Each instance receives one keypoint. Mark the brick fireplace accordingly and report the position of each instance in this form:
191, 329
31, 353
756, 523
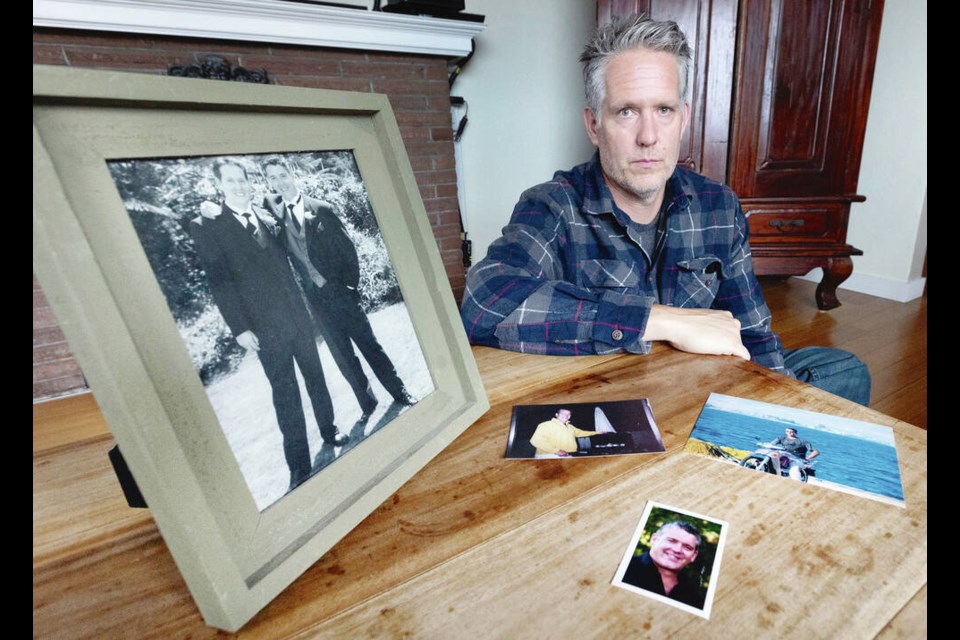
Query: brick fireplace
412, 70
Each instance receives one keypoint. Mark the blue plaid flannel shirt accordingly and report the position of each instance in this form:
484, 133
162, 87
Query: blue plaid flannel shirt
566, 278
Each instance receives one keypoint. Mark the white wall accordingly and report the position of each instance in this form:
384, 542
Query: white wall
891, 226
524, 100
524, 91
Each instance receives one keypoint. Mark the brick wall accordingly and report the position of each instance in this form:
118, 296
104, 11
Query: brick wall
416, 86
55, 372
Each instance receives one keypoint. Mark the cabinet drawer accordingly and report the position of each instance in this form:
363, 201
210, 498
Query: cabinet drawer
808, 223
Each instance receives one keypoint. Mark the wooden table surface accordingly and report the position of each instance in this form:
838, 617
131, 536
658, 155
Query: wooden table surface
478, 546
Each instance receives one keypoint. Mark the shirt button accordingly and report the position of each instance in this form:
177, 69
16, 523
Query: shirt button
617, 335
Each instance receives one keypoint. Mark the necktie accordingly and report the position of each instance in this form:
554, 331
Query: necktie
251, 225
293, 217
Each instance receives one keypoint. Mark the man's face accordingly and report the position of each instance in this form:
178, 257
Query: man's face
563, 416
673, 548
235, 187
639, 131
281, 181
791, 433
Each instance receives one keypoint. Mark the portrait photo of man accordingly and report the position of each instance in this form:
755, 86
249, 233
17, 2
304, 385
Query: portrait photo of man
674, 557
673, 547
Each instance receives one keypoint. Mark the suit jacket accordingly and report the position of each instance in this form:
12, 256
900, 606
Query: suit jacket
252, 285
330, 249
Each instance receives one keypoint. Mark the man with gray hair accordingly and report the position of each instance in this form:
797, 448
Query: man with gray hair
673, 547
630, 248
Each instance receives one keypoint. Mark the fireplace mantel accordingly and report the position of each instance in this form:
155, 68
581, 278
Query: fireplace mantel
268, 21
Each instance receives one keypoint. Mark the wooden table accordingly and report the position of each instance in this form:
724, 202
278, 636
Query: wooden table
477, 546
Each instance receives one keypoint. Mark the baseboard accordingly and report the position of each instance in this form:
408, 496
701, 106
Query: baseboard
61, 396
875, 286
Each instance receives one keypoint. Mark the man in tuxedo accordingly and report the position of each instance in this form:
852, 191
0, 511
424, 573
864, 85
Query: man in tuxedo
326, 259
244, 258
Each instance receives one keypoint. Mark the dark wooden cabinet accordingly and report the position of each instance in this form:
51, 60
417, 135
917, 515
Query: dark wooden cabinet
779, 99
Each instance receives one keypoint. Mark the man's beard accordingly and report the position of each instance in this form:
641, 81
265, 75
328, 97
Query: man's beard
628, 183
645, 195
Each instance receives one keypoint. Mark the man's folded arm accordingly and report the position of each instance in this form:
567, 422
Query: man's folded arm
741, 295
517, 299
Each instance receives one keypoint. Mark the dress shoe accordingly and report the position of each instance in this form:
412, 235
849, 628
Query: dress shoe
338, 440
297, 479
404, 398
368, 407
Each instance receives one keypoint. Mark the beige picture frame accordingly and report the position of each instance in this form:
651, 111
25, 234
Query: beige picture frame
234, 558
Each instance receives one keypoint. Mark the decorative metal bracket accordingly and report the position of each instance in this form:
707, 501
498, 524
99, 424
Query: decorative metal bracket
217, 68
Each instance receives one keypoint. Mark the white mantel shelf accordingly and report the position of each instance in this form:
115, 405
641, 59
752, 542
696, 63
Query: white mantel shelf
270, 21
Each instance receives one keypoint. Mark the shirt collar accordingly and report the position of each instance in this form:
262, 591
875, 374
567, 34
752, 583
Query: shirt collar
239, 214
296, 201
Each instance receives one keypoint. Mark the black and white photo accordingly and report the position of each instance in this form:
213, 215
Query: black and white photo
284, 294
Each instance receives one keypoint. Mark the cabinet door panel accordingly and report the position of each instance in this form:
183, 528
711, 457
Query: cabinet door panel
803, 87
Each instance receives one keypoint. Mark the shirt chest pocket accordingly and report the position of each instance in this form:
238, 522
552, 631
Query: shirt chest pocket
698, 281
610, 275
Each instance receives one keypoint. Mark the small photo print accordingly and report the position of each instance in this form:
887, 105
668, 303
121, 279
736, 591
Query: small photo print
583, 429
674, 558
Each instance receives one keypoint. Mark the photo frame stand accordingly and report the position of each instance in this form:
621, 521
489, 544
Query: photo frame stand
127, 482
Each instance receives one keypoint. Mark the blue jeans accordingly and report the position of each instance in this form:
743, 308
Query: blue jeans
834, 370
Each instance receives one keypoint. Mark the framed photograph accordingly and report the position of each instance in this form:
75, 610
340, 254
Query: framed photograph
674, 558
248, 278
583, 430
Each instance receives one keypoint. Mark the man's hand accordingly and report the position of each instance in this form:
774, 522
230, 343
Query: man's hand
248, 340
707, 331
210, 210
562, 453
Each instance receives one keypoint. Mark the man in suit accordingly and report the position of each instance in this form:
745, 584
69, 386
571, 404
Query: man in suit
250, 279
326, 259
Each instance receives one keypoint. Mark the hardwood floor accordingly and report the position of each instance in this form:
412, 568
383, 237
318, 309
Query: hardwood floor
890, 337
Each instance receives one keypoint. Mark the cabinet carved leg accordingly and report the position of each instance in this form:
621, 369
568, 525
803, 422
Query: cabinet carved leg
834, 272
